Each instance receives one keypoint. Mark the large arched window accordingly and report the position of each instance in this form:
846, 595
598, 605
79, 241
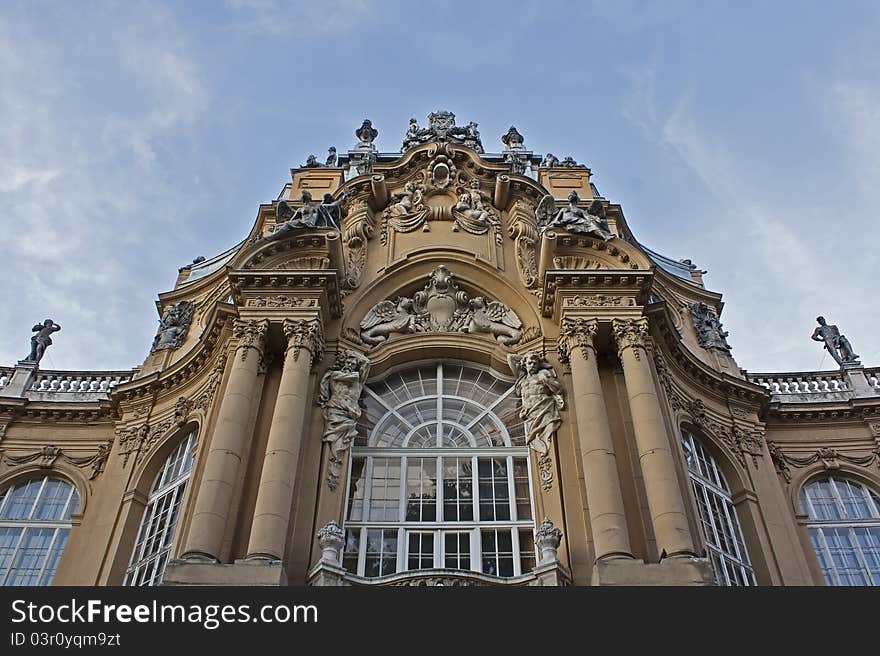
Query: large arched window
718, 520
34, 525
156, 535
440, 476
844, 526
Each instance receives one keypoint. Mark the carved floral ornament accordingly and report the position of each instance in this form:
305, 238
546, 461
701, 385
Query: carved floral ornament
576, 333
48, 455
305, 334
630, 333
829, 458
441, 307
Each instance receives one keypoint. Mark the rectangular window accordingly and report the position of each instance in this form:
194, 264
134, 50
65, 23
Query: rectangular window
497, 551
494, 492
352, 550
356, 490
526, 550
381, 557
457, 550
521, 488
421, 489
458, 490
385, 490
421, 550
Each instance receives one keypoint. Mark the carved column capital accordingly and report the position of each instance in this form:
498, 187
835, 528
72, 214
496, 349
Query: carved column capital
630, 333
576, 333
251, 335
304, 334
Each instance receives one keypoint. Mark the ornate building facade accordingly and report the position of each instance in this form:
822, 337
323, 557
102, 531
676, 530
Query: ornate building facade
457, 367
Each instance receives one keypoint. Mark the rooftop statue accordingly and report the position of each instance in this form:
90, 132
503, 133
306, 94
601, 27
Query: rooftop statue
42, 340
570, 163
312, 163
331, 156
442, 127
550, 160
308, 216
572, 218
709, 330
513, 140
835, 343
173, 326
366, 135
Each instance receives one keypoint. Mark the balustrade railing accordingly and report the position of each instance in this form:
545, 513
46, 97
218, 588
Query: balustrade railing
83, 382
801, 382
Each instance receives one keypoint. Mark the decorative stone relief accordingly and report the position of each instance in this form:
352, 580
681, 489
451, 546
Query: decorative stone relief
473, 212
523, 229
577, 262
357, 231
779, 461
407, 211
340, 391
576, 333
181, 411
173, 326
831, 459
540, 392
709, 331
281, 302
598, 300
305, 334
591, 221
47, 456
630, 333
252, 336
331, 538
441, 307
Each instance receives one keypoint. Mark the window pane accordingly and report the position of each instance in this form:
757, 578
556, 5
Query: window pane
421, 489
458, 490
351, 550
527, 557
385, 490
381, 556
356, 490
421, 550
521, 488
494, 493
457, 550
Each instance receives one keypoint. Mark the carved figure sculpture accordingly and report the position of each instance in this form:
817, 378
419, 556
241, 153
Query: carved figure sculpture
173, 326
471, 212
496, 318
709, 330
440, 307
340, 391
574, 219
307, 216
541, 394
312, 162
42, 340
331, 156
472, 137
835, 343
366, 135
330, 210
441, 127
549, 160
408, 210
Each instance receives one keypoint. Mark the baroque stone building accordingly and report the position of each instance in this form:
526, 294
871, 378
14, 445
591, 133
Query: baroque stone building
440, 365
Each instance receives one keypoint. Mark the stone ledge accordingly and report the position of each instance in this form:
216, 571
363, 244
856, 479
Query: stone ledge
242, 572
671, 572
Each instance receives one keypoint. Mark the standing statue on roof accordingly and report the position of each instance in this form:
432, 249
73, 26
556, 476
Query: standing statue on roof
42, 340
835, 343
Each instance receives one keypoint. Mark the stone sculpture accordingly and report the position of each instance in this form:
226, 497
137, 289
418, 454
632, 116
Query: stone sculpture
572, 218
42, 340
550, 160
709, 331
513, 140
473, 212
407, 210
541, 394
308, 216
173, 326
340, 391
835, 343
312, 162
441, 307
331, 156
366, 135
442, 127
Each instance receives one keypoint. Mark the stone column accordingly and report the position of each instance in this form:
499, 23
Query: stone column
665, 500
604, 497
228, 444
305, 344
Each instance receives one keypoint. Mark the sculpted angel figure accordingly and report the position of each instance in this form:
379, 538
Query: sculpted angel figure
541, 394
340, 391
495, 318
306, 217
173, 326
470, 211
574, 219
387, 317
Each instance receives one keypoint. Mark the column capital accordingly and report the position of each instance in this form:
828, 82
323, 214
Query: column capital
304, 334
630, 333
576, 332
251, 334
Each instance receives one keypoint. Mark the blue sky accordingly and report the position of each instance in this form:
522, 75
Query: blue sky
745, 136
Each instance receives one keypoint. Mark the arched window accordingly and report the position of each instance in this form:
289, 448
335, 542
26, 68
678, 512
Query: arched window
156, 534
440, 476
844, 525
718, 520
34, 525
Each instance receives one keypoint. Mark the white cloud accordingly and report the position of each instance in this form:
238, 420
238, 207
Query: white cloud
300, 17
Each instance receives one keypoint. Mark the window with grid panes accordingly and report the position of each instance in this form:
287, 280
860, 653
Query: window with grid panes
439, 476
844, 526
718, 520
35, 520
156, 534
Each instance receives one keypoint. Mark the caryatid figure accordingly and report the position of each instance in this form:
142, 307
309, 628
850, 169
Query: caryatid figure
340, 392
541, 394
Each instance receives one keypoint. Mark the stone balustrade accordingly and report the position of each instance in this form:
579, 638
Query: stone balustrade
819, 386
63, 382
5, 376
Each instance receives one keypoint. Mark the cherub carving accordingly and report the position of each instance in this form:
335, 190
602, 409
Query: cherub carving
473, 211
385, 318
